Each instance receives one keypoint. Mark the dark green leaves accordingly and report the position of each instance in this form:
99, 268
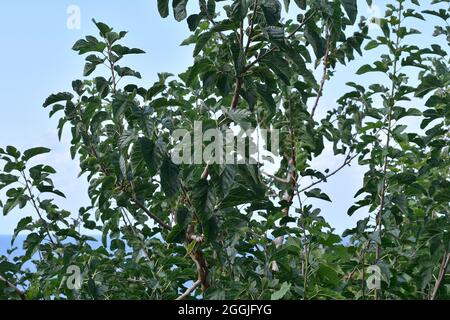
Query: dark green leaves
203, 198
54, 98
7, 179
239, 10
90, 44
312, 34
301, 4
193, 21
428, 84
30, 153
267, 98
183, 219
179, 9
121, 134
127, 72
202, 40
153, 154
351, 8
204, 201
272, 11
372, 44
102, 27
278, 295
317, 193
170, 182
122, 50
92, 62
163, 8
379, 67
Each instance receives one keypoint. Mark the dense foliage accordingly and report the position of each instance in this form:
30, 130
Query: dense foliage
231, 231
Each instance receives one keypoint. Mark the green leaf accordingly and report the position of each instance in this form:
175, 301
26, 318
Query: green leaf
90, 44
267, 98
227, 179
272, 11
317, 193
54, 98
239, 10
30, 153
50, 189
312, 34
372, 44
7, 179
122, 50
278, 295
127, 138
211, 8
179, 9
152, 153
13, 152
10, 205
351, 7
22, 225
102, 27
89, 68
190, 248
193, 21
163, 8
353, 209
328, 273
286, 5
201, 42
102, 86
176, 235
203, 199
127, 72
170, 182
428, 84
301, 4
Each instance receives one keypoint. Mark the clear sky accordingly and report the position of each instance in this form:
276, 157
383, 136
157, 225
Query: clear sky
36, 60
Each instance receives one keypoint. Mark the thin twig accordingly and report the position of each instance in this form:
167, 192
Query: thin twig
288, 179
36, 208
379, 217
188, 292
442, 270
153, 216
324, 77
347, 161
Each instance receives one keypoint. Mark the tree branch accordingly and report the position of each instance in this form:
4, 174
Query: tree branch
442, 270
36, 208
188, 292
347, 161
21, 293
237, 90
153, 216
324, 76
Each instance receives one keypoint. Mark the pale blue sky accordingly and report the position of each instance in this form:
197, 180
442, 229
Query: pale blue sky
37, 61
